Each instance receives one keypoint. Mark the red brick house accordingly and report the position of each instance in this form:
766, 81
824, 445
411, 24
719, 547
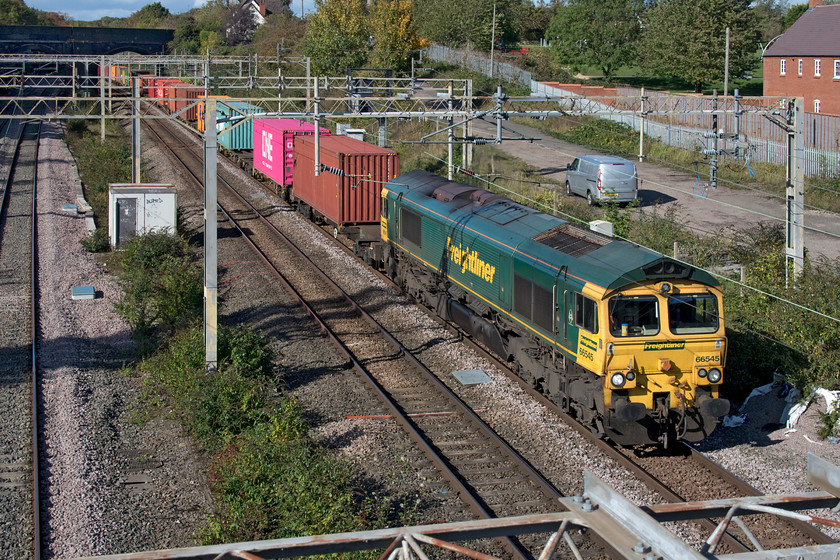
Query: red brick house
805, 61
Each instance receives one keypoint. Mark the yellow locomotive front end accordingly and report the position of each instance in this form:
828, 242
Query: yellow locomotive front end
664, 354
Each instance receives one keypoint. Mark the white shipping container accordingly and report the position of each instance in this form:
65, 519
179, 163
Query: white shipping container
136, 209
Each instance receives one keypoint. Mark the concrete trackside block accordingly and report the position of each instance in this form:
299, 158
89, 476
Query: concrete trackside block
471, 377
83, 292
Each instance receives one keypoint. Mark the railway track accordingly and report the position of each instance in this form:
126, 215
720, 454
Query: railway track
19, 517
487, 474
411, 399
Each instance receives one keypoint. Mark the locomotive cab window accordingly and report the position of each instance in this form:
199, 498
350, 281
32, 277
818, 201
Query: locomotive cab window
693, 314
384, 208
586, 313
634, 315
411, 226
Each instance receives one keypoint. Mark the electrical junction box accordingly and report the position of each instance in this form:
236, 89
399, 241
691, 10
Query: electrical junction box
136, 209
602, 226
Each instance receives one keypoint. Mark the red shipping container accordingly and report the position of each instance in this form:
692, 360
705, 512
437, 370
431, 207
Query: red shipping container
187, 95
347, 191
174, 89
274, 147
161, 91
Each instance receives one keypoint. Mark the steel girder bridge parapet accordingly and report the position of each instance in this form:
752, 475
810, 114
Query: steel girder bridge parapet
633, 532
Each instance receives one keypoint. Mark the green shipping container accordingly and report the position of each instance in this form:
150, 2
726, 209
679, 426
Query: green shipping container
228, 114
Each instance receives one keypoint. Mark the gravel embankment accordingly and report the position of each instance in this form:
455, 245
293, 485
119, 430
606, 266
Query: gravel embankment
110, 486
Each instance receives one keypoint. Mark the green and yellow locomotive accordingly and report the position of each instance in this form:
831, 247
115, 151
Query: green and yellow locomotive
630, 342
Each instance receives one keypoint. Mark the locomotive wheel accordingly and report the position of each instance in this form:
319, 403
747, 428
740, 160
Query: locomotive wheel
568, 189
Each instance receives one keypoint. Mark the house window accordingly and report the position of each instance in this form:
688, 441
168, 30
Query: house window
800, 67
782, 67
816, 105
817, 68
837, 69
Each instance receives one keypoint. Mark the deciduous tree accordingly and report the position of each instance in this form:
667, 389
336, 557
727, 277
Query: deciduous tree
394, 33
149, 16
467, 22
15, 12
600, 33
792, 14
687, 38
337, 36
186, 37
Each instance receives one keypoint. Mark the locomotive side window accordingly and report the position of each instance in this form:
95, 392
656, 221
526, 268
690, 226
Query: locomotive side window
533, 302
634, 315
586, 313
693, 314
384, 209
411, 226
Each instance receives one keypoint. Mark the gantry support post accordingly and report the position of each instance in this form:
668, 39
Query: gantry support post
135, 130
795, 206
211, 285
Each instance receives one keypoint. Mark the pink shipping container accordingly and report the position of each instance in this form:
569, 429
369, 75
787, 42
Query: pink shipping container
274, 147
347, 191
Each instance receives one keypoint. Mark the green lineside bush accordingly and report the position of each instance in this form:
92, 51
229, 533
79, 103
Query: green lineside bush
161, 284
269, 478
100, 163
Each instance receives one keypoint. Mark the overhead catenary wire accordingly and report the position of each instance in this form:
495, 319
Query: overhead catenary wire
735, 206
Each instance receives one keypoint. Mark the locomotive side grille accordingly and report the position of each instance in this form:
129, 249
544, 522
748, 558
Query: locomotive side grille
572, 240
411, 226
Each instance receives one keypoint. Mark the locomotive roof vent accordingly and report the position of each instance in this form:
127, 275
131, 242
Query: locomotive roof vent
483, 197
573, 241
450, 191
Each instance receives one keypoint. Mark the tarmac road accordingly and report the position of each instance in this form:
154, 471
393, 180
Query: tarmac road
723, 209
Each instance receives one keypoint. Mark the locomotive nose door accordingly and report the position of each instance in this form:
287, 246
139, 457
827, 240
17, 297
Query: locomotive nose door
562, 309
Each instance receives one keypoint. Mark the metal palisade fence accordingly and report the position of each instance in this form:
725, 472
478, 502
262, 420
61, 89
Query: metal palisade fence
759, 140
479, 63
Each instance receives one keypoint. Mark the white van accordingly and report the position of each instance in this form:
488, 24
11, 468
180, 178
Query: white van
600, 178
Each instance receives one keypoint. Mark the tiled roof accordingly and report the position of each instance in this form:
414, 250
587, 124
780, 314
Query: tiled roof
815, 33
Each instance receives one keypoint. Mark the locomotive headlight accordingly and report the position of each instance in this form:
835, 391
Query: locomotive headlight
617, 380
631, 376
701, 372
714, 375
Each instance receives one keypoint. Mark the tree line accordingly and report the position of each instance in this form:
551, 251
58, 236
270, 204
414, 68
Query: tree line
684, 38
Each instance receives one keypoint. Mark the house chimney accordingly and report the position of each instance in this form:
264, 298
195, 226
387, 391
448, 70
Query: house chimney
812, 3
262, 7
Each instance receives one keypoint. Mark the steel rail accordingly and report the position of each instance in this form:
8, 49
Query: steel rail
36, 509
